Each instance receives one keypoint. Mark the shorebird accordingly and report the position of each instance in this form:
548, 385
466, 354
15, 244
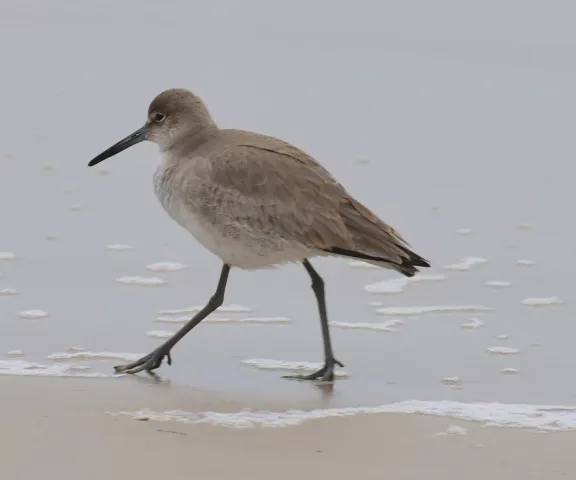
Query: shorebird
255, 201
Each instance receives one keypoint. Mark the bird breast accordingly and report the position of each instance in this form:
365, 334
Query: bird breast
211, 214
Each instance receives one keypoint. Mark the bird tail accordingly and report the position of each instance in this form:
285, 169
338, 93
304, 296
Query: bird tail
375, 242
408, 265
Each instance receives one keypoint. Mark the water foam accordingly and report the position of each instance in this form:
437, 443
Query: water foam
539, 417
473, 323
166, 267
6, 292
509, 371
451, 381
382, 326
232, 308
119, 247
24, 368
76, 349
503, 350
431, 309
33, 314
453, 430
466, 263
497, 284
245, 320
86, 355
159, 334
541, 302
525, 263
15, 353
397, 285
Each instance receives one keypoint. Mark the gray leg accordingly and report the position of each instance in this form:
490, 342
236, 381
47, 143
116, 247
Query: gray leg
154, 360
326, 373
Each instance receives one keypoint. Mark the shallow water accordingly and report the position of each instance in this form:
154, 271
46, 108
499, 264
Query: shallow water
464, 125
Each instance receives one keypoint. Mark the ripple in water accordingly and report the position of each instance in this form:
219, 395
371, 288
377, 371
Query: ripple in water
289, 366
525, 226
143, 281
430, 309
33, 314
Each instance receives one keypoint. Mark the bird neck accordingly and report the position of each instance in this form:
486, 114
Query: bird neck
193, 139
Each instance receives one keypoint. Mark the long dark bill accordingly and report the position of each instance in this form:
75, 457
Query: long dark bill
136, 137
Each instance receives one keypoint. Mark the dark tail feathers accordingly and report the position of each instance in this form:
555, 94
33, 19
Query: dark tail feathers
408, 266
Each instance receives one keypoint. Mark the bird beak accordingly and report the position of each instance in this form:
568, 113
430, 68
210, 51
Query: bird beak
136, 137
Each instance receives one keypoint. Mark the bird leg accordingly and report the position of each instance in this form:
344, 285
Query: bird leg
326, 373
154, 359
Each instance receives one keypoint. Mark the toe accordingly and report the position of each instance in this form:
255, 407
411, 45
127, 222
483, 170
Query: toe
122, 368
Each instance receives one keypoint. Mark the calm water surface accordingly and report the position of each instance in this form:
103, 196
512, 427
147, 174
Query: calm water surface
466, 118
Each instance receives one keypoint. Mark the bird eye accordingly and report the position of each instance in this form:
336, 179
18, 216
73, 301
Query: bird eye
159, 117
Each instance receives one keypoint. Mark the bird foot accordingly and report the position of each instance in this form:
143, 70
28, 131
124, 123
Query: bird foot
325, 374
148, 362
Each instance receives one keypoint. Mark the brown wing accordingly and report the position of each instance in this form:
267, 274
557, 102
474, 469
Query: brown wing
288, 191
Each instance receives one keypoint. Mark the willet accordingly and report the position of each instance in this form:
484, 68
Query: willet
255, 201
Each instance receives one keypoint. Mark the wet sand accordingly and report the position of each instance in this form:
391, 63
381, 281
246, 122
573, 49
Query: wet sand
56, 429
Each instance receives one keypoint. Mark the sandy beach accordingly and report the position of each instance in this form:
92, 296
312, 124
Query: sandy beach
57, 429
453, 122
